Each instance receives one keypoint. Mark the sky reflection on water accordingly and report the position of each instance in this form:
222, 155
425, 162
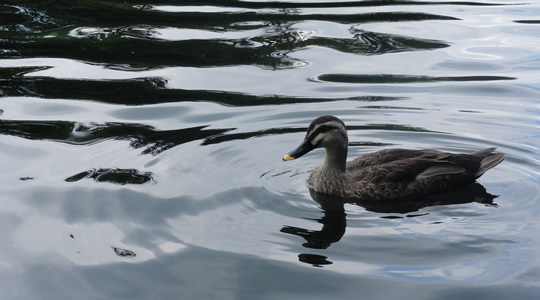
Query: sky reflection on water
141, 147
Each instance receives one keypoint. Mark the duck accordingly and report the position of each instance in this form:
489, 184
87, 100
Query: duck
387, 175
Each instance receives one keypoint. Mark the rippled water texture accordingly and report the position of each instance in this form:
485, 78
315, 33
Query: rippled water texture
141, 146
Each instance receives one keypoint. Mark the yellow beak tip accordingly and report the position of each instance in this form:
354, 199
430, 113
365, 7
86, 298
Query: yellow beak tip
287, 157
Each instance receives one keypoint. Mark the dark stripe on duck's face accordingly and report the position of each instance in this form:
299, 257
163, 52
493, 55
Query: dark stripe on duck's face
319, 130
316, 137
322, 129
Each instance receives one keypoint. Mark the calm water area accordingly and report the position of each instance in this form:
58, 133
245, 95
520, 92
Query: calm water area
141, 145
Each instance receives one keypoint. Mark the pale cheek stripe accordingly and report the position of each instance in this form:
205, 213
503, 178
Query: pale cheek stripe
316, 140
330, 123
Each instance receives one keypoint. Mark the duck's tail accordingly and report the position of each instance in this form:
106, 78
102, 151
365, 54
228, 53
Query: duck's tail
489, 160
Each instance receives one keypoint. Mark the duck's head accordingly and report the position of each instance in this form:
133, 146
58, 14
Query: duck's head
324, 132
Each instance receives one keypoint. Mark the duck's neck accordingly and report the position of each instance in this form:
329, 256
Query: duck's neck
336, 159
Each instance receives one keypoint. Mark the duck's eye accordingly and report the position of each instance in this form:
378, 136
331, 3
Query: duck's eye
318, 135
324, 128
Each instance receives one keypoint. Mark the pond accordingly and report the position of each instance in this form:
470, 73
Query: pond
141, 147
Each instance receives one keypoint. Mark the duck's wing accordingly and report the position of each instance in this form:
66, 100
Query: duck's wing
402, 165
408, 174
394, 155
403, 171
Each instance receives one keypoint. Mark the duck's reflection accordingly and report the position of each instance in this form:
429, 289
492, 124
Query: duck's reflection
334, 221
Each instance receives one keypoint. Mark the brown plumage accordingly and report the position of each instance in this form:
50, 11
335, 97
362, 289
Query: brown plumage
392, 174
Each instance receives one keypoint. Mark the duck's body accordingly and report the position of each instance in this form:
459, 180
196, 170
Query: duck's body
393, 174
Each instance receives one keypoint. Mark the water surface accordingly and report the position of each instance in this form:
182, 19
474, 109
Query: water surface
141, 148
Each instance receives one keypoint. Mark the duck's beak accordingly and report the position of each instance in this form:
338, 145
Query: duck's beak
304, 148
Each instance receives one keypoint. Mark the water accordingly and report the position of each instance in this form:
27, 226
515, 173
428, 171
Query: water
141, 148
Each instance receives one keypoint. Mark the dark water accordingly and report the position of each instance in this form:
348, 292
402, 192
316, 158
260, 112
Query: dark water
141, 148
